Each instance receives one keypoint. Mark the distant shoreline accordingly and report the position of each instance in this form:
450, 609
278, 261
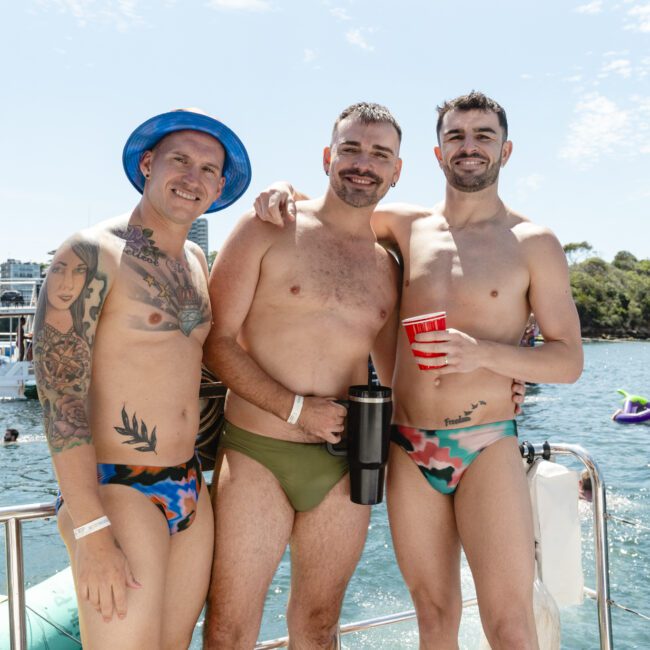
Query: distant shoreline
612, 339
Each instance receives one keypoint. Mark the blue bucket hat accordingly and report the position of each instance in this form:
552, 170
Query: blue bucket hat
237, 166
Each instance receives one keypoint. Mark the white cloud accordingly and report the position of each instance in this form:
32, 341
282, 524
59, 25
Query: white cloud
340, 13
308, 55
121, 13
240, 5
622, 67
639, 18
356, 37
526, 76
531, 183
594, 7
596, 130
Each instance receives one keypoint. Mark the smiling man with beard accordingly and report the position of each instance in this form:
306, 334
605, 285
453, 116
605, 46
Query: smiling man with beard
296, 313
455, 473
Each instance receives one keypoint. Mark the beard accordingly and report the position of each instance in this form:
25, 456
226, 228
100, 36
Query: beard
471, 182
363, 197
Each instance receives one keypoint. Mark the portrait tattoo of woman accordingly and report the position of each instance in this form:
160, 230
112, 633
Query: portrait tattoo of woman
64, 329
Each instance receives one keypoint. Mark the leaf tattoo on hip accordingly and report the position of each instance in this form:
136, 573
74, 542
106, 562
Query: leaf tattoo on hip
137, 433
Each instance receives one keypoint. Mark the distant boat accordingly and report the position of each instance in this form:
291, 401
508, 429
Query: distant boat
17, 379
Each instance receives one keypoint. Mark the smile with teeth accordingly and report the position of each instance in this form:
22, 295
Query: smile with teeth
469, 163
360, 180
186, 195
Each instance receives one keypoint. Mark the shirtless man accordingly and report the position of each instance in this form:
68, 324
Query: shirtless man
118, 341
296, 312
455, 472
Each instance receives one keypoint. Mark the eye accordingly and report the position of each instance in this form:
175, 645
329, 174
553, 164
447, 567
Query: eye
55, 269
179, 159
80, 270
209, 170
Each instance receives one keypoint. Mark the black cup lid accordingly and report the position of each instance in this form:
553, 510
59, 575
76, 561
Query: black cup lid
373, 392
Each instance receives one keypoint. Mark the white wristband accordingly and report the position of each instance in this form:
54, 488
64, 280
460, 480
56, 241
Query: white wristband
91, 527
296, 410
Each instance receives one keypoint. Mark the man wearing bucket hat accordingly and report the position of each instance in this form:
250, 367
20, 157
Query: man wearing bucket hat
117, 350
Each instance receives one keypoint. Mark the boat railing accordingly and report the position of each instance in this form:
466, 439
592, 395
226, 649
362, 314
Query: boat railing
13, 516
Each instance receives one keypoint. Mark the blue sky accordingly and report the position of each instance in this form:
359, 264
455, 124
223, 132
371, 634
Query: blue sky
79, 75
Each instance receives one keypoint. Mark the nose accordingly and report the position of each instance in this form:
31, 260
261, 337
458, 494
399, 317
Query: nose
191, 174
68, 282
469, 144
362, 161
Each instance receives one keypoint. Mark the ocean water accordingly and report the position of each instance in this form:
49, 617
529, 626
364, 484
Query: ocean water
579, 414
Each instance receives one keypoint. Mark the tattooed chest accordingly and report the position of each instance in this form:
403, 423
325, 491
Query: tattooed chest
167, 299
170, 295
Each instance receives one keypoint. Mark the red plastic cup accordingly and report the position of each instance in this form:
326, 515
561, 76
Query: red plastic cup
434, 322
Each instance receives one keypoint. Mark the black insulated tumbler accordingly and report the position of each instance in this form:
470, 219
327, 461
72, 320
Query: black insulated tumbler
367, 441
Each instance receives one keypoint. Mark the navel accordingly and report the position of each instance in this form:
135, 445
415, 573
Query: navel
295, 290
494, 293
383, 313
406, 283
155, 318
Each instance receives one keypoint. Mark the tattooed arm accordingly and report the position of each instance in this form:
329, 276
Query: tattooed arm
66, 319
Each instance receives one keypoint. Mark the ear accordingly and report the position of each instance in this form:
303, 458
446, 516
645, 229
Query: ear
327, 159
398, 171
438, 154
222, 183
506, 152
145, 164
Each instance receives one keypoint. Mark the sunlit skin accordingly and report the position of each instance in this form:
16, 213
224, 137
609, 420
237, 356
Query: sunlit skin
65, 281
472, 149
184, 175
362, 161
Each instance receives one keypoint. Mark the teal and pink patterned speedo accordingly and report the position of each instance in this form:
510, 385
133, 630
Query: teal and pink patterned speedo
443, 455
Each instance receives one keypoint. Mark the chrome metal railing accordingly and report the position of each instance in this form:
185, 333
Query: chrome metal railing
12, 518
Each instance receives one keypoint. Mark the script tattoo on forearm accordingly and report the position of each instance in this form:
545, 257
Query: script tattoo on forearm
466, 416
64, 330
169, 289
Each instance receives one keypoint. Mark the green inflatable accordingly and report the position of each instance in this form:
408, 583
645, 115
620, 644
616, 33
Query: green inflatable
52, 621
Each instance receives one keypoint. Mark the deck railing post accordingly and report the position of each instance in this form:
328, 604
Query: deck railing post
15, 584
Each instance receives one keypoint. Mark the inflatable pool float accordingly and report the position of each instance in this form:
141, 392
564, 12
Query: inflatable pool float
52, 619
635, 409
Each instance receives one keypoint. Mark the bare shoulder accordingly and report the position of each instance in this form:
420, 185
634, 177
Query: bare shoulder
94, 246
388, 219
536, 239
390, 211
195, 252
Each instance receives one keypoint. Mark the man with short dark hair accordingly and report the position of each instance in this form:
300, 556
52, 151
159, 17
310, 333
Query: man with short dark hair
118, 339
296, 313
455, 473
11, 435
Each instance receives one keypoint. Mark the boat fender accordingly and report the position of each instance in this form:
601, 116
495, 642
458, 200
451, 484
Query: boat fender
558, 543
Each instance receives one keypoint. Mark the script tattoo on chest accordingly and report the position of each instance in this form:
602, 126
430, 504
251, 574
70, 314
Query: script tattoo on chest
164, 284
139, 244
466, 416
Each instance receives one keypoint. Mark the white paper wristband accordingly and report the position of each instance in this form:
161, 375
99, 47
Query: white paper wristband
91, 527
296, 410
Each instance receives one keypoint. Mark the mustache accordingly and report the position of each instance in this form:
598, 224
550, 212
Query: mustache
463, 156
355, 172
